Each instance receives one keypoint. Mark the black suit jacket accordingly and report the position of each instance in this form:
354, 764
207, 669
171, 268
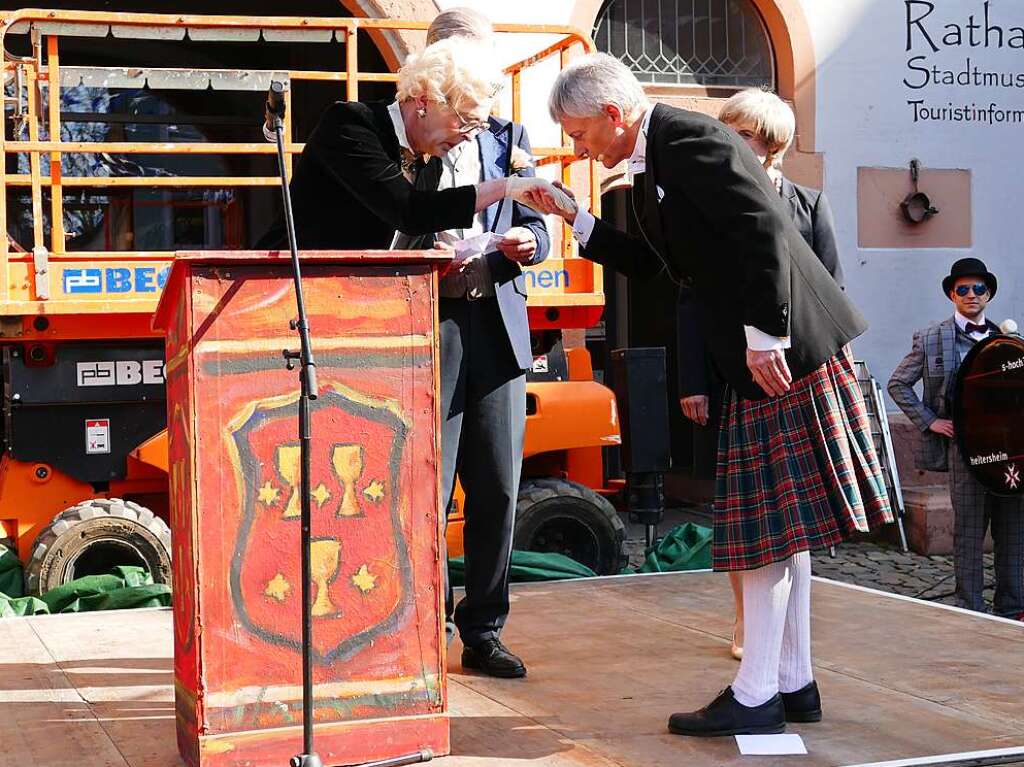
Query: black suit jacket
812, 216
349, 192
722, 227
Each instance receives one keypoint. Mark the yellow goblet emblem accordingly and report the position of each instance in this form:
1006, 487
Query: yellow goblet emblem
324, 556
288, 466
348, 465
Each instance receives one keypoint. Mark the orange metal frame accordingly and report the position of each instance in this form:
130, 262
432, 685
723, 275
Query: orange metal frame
25, 276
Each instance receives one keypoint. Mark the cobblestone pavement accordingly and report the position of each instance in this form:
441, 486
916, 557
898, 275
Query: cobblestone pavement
886, 568
874, 565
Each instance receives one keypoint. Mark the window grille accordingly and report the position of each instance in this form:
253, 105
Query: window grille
711, 43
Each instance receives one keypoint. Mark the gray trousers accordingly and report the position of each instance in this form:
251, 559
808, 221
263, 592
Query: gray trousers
483, 410
974, 510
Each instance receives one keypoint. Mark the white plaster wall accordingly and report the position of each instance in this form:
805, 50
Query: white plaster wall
863, 119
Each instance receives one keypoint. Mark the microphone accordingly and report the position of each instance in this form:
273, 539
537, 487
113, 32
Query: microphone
273, 110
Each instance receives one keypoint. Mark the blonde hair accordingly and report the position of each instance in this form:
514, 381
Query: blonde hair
590, 83
460, 22
451, 72
771, 117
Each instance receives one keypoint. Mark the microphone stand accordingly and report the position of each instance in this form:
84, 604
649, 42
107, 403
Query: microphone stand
275, 112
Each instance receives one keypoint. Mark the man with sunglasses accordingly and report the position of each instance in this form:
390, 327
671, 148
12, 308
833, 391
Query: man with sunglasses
937, 353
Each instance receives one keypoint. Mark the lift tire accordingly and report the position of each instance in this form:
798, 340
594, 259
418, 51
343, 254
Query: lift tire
92, 537
564, 517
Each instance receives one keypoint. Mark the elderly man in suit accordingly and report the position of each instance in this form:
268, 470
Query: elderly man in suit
485, 351
796, 469
934, 359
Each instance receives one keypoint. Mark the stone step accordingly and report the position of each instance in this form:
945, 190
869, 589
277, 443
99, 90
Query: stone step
929, 520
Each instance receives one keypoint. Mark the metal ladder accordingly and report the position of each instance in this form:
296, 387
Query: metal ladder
874, 401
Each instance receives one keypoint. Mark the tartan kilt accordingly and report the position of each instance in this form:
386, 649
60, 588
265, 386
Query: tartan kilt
797, 472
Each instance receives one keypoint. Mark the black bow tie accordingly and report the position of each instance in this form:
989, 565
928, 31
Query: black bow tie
970, 327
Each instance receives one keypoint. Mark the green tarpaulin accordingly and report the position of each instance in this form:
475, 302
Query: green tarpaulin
11, 580
686, 547
529, 566
121, 589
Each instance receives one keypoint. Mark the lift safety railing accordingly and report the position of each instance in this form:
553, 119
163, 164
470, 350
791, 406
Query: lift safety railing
32, 101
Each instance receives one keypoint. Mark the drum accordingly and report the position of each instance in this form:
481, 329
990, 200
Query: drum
988, 413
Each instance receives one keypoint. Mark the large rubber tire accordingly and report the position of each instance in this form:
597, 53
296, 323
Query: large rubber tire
563, 517
92, 537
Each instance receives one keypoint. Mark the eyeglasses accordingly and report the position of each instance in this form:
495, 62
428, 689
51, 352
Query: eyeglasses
979, 289
468, 128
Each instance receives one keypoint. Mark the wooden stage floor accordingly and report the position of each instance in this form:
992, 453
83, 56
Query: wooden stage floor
609, 660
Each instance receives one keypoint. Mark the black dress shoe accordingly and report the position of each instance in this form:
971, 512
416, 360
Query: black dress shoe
727, 716
804, 705
494, 659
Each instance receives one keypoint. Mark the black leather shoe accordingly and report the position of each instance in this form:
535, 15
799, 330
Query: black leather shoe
727, 716
494, 659
804, 705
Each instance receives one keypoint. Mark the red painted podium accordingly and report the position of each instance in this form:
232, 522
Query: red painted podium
378, 647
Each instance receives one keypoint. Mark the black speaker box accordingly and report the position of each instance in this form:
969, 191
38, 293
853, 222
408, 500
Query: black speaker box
640, 386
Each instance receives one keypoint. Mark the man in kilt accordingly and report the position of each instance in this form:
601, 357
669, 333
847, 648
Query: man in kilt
796, 465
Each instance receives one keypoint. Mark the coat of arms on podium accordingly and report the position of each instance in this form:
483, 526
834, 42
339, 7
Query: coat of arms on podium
361, 571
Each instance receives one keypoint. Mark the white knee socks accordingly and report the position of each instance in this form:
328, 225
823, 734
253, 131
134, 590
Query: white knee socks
776, 631
795, 670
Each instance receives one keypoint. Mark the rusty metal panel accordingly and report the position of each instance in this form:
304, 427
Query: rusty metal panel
224, 34
301, 35
138, 32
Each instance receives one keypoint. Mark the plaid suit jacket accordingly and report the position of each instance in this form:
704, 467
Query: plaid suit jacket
933, 361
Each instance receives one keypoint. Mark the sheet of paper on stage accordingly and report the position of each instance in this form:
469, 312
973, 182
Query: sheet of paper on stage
475, 246
771, 745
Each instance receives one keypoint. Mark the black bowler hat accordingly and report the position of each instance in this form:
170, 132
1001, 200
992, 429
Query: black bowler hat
970, 267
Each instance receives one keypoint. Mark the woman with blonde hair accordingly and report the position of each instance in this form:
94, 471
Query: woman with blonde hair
768, 125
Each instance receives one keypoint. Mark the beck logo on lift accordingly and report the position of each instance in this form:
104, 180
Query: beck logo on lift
120, 373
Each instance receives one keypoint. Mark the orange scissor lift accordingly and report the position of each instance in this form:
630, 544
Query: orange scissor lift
101, 171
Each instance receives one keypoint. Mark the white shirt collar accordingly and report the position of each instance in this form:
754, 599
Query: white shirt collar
637, 162
395, 111
961, 321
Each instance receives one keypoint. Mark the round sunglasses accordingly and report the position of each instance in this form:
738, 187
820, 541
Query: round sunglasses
979, 289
